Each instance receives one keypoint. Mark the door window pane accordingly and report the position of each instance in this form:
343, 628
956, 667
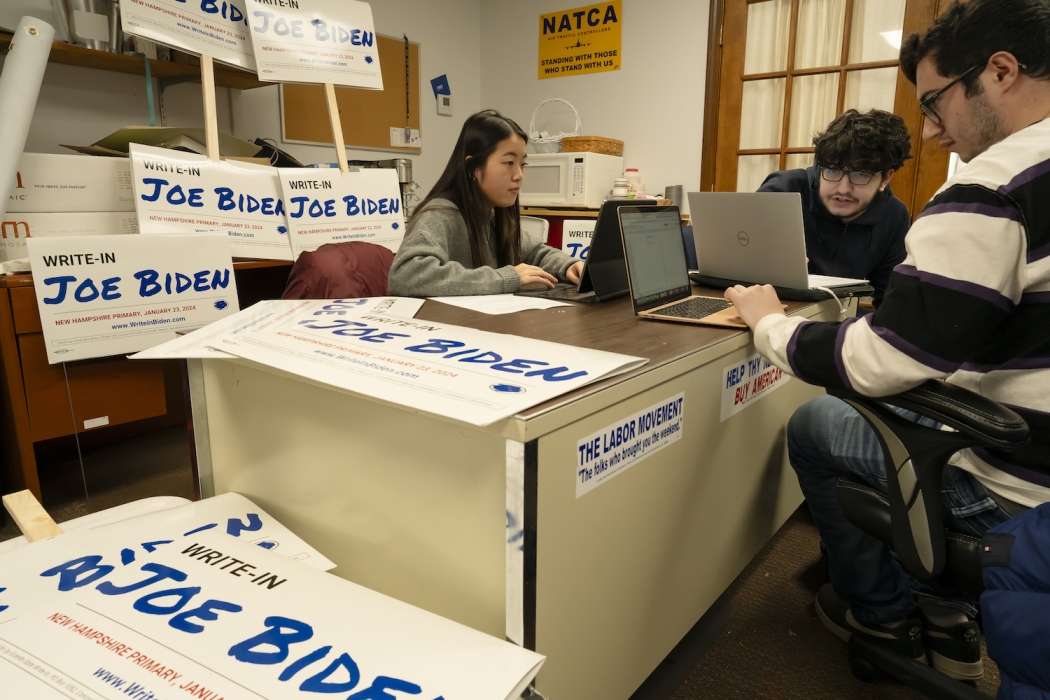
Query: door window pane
799, 160
877, 30
768, 27
752, 170
762, 109
813, 102
871, 89
819, 38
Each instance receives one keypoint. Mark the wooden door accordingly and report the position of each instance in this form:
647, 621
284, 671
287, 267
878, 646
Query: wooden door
780, 70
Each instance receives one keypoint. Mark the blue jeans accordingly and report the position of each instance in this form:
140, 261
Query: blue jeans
828, 439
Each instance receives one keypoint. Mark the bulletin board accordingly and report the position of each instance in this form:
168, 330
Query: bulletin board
367, 115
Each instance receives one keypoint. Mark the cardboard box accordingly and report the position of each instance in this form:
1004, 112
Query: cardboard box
17, 227
49, 182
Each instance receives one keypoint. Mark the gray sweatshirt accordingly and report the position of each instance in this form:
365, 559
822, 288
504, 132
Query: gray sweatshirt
435, 260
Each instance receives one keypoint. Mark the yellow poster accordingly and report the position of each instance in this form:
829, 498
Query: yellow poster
581, 40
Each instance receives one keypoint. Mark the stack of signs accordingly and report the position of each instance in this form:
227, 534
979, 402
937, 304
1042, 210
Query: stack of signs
178, 192
111, 295
315, 41
473, 376
180, 603
198, 344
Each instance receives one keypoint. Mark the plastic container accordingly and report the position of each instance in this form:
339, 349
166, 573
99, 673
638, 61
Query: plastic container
634, 180
619, 187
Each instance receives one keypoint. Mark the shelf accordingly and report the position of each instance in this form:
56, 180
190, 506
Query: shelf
72, 55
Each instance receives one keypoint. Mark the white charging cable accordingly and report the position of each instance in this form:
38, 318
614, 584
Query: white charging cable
842, 309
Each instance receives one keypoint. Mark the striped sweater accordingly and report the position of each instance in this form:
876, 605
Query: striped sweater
970, 303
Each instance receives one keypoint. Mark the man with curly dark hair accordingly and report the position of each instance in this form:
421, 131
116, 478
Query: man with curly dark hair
854, 225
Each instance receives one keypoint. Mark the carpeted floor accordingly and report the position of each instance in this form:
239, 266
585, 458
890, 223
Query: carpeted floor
762, 639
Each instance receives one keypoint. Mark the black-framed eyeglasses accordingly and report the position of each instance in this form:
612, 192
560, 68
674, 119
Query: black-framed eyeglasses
927, 105
856, 177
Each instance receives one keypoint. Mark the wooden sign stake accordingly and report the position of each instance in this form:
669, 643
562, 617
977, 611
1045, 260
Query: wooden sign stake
337, 127
211, 123
30, 516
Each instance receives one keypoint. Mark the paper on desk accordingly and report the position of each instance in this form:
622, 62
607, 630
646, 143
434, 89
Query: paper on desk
262, 315
141, 608
230, 513
496, 304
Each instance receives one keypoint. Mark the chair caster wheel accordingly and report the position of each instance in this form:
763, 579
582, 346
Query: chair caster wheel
864, 671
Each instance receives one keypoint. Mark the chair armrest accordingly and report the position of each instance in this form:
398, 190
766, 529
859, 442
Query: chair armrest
964, 410
915, 456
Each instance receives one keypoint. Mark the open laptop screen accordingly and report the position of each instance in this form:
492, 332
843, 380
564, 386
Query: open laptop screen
655, 255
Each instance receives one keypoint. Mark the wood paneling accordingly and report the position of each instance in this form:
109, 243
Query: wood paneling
120, 389
16, 446
23, 306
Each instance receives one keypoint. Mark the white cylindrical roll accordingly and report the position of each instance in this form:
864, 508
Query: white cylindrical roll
19, 87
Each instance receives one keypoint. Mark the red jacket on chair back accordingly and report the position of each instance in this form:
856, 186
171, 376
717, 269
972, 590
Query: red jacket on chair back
340, 271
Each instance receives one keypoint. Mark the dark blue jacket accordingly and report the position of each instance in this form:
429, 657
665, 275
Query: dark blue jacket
869, 247
1016, 603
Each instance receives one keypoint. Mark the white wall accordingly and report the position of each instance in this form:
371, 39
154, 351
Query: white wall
79, 106
654, 103
448, 32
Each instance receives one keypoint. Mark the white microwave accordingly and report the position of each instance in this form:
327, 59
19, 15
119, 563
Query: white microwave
569, 179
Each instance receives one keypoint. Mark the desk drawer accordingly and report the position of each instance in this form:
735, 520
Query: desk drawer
23, 306
114, 388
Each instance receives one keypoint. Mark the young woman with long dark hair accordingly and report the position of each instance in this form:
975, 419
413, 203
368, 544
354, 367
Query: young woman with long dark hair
466, 237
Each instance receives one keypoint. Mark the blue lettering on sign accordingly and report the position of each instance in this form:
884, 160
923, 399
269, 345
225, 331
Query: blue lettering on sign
355, 206
86, 290
579, 250
223, 9
338, 35
270, 647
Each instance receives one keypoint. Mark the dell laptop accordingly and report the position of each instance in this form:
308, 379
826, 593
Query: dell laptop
658, 274
755, 238
604, 275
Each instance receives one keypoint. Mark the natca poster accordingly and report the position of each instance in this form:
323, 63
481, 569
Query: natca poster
581, 40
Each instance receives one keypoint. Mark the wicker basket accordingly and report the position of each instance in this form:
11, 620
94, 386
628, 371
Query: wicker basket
550, 144
592, 144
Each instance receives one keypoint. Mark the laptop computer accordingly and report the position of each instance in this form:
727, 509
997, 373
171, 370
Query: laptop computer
604, 274
658, 274
755, 238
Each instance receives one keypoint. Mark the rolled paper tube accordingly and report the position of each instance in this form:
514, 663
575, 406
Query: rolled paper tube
19, 87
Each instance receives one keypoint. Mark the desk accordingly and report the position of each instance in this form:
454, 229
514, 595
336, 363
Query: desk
36, 404
416, 505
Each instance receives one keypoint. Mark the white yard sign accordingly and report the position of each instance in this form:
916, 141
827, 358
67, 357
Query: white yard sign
315, 41
618, 446
326, 206
145, 609
260, 317
469, 375
110, 295
748, 381
179, 192
218, 28
576, 237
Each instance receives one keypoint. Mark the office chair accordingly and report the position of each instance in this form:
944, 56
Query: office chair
910, 519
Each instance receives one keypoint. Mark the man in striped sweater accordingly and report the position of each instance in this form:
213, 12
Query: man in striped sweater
970, 303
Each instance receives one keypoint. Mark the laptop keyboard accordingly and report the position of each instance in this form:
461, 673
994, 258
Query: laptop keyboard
698, 307
566, 292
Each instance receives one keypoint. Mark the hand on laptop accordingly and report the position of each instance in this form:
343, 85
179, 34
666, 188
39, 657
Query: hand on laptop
574, 272
537, 277
754, 303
